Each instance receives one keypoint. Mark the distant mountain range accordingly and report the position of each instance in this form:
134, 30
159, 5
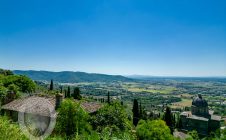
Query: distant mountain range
71, 77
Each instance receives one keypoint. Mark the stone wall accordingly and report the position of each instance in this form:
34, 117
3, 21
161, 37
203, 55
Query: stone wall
199, 125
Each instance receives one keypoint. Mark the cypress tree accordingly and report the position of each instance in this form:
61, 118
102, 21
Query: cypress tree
68, 92
76, 94
61, 89
140, 109
135, 112
65, 93
51, 85
108, 98
179, 123
168, 118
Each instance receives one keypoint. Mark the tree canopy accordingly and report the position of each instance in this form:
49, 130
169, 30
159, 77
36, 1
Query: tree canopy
113, 116
153, 130
72, 119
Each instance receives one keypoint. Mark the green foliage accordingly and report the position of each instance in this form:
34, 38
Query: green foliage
14, 83
51, 85
194, 134
5, 72
14, 88
108, 98
72, 119
153, 130
3, 91
109, 134
10, 131
23, 83
68, 94
168, 118
76, 94
113, 116
135, 112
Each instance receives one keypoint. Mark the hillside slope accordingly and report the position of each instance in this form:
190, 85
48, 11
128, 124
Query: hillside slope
71, 77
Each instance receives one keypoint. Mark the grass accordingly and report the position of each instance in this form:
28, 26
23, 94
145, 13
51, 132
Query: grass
183, 103
162, 90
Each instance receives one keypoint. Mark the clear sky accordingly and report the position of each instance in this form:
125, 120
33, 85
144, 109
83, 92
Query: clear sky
146, 37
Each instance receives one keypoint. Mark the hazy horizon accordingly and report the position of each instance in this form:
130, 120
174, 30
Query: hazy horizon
156, 38
126, 75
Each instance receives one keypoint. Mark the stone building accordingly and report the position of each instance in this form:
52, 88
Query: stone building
200, 118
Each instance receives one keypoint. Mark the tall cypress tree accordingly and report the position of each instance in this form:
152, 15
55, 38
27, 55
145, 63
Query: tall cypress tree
65, 93
68, 92
61, 89
168, 118
135, 112
51, 85
109, 98
76, 93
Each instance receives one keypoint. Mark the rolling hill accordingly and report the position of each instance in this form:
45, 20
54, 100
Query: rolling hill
71, 77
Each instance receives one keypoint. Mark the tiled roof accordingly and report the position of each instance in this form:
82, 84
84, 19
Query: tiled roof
42, 105
33, 104
91, 107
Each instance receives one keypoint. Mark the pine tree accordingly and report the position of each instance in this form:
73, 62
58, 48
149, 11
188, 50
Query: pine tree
135, 112
76, 94
51, 85
108, 98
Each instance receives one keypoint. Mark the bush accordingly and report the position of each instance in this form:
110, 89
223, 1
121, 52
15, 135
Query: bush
10, 131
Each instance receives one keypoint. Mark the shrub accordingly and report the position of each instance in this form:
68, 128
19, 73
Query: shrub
10, 131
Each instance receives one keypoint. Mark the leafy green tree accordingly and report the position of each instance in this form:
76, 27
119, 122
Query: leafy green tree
72, 119
3, 92
13, 88
76, 94
6, 72
135, 112
113, 116
153, 130
51, 85
24, 83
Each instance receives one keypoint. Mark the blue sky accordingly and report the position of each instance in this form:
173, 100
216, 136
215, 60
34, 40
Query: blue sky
146, 37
